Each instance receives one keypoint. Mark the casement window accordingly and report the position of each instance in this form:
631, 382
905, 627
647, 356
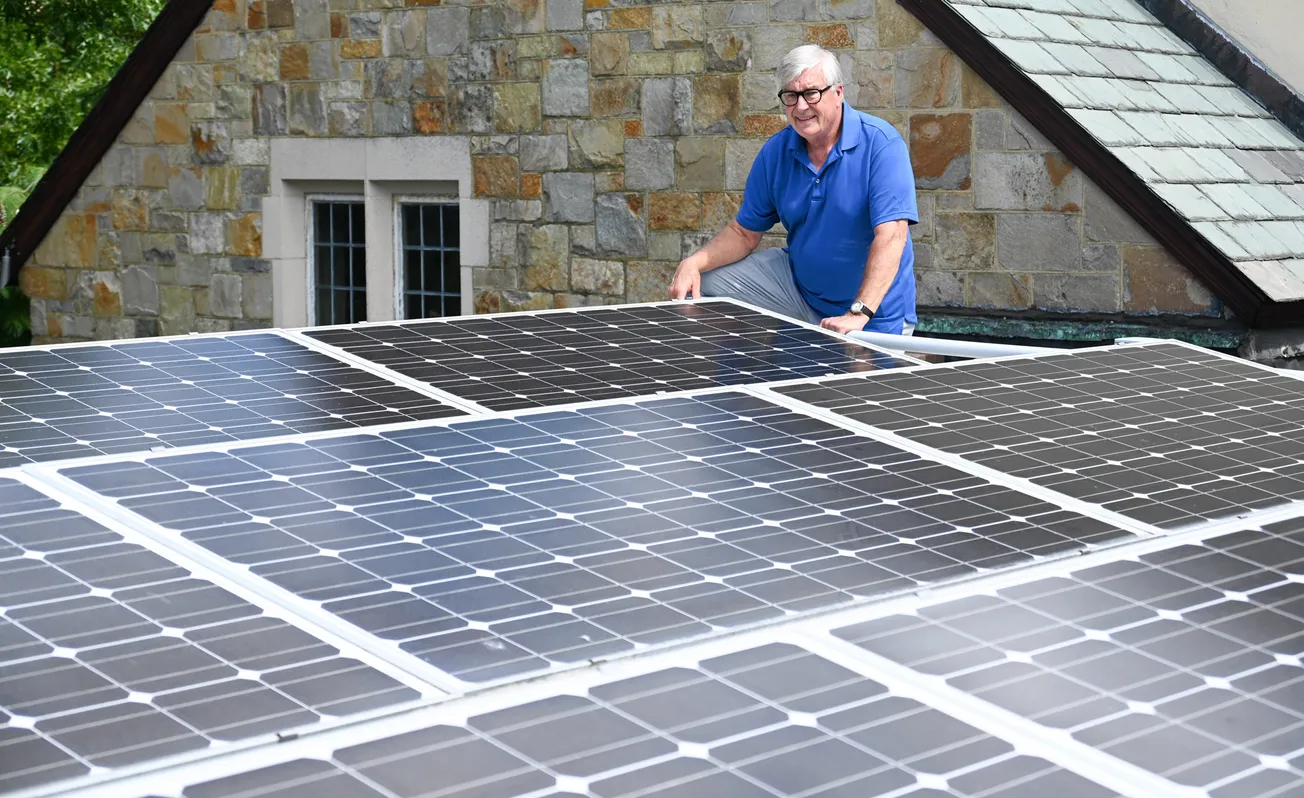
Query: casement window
337, 259
428, 244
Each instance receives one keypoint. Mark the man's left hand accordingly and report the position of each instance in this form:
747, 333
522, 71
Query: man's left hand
846, 323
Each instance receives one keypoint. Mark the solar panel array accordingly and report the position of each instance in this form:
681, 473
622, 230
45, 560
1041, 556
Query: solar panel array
384, 560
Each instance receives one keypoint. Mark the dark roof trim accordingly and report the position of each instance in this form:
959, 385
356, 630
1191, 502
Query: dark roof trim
1233, 60
1202, 259
97, 132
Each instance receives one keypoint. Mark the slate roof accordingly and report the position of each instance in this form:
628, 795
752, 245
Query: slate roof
1209, 151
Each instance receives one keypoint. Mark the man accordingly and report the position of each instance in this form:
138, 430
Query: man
841, 183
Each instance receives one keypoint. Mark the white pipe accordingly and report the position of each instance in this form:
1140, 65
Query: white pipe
943, 346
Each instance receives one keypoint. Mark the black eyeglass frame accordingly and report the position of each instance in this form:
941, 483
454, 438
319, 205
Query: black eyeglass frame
819, 95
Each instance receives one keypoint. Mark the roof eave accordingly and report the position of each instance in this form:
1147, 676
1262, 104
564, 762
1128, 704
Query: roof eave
1191, 249
98, 131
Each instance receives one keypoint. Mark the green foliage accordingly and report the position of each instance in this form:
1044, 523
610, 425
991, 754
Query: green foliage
56, 57
15, 321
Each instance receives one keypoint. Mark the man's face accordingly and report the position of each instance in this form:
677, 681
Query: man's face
822, 118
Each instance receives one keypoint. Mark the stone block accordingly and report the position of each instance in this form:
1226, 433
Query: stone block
364, 25
770, 43
667, 107
1101, 258
391, 118
938, 289
1038, 242
717, 104
171, 124
674, 211
516, 107
584, 239
759, 93
404, 34
472, 108
848, 9
690, 62
430, 117
1105, 220
114, 329
221, 189
616, 97
1155, 283
279, 13
651, 63
676, 27
699, 163
1024, 136
926, 78
609, 53
106, 294
72, 242
307, 111
629, 18
738, 157
260, 61
1085, 293
524, 16
647, 281
256, 297
998, 290
130, 209
620, 226
447, 30
385, 78
211, 142
566, 87
251, 266
729, 50
898, 28
794, 10
503, 249
348, 119
312, 19
830, 36
568, 197
939, 150
718, 209
543, 153
1026, 182
494, 61
225, 296
989, 129
245, 235
496, 175
764, 125
964, 242
42, 282
294, 61
597, 277
565, 15
975, 92
663, 245
649, 163
873, 76
597, 143
545, 252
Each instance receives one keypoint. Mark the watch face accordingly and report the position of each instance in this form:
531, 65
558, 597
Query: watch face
857, 307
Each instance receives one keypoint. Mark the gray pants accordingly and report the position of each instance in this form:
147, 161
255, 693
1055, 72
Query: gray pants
764, 279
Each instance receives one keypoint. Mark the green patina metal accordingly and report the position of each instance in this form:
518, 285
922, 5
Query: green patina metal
1070, 332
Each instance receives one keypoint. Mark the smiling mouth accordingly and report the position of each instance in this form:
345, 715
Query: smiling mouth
810, 118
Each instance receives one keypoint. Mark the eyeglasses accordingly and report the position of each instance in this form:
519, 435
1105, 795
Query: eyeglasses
811, 96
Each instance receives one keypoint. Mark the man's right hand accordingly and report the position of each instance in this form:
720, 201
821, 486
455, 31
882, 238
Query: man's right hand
687, 281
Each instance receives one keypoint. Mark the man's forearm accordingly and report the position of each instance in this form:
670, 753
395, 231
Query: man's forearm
883, 262
733, 243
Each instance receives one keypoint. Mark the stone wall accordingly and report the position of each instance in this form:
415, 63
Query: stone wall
612, 138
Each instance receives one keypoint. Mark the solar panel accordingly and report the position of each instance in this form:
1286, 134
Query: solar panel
773, 720
80, 401
519, 361
1185, 662
112, 655
1166, 434
498, 547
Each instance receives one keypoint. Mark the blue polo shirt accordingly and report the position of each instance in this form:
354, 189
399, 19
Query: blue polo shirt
830, 213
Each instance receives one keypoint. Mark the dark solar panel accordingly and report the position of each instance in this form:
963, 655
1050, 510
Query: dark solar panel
513, 362
111, 655
764, 722
88, 400
1185, 662
1165, 434
499, 547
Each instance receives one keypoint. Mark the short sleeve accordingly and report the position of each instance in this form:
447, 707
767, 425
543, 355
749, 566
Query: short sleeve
891, 181
758, 212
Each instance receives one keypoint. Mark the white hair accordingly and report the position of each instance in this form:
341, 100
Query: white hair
800, 59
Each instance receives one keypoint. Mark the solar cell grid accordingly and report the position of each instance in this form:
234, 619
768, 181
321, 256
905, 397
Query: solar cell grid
82, 401
769, 721
111, 655
514, 362
1166, 434
500, 547
1185, 662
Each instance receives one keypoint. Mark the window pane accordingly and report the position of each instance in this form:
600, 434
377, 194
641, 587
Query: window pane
339, 221
359, 306
412, 270
323, 315
452, 306
359, 257
359, 228
451, 233
411, 216
452, 273
321, 224
339, 267
430, 226
340, 301
321, 260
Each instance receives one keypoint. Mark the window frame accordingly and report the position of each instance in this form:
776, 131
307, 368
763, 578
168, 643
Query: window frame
400, 302
310, 199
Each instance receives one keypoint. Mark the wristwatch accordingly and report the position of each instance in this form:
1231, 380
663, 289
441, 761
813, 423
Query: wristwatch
858, 308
